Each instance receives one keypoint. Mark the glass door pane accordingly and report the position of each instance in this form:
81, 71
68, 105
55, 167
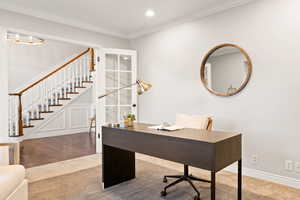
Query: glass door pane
111, 62
125, 63
119, 72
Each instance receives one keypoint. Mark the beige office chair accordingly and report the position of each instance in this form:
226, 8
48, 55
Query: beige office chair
197, 122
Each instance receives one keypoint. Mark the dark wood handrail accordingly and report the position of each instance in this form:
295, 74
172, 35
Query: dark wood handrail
51, 73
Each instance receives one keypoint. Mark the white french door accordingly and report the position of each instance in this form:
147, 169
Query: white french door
118, 69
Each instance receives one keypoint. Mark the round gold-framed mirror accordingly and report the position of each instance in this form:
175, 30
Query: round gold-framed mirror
226, 70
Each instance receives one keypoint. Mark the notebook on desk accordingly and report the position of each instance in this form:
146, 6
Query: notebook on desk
166, 128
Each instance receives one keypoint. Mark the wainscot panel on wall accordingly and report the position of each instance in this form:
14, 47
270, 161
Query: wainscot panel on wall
267, 111
73, 118
79, 116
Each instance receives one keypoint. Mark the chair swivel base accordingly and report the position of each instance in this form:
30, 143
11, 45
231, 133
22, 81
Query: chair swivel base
181, 178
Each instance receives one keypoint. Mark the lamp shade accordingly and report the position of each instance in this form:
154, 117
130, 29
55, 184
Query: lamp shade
142, 86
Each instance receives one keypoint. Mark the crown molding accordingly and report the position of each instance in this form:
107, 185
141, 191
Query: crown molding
74, 23
196, 16
60, 20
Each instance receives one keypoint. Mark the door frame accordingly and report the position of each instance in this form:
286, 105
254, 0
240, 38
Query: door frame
100, 104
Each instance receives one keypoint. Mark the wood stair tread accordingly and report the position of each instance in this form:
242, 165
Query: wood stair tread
64, 98
80, 87
37, 118
87, 81
56, 105
30, 126
72, 92
46, 112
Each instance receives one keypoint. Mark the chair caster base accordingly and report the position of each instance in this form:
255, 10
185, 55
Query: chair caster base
197, 197
165, 180
163, 193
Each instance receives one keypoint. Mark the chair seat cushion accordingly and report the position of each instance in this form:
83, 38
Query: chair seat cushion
11, 176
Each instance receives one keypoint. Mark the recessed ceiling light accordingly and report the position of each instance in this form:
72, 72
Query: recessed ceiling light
150, 13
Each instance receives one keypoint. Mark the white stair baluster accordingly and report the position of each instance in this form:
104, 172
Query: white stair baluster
86, 67
76, 72
15, 128
80, 71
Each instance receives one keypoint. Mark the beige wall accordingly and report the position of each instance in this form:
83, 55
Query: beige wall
266, 112
32, 24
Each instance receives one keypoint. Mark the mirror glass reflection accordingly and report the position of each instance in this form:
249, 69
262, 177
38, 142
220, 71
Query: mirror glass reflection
226, 70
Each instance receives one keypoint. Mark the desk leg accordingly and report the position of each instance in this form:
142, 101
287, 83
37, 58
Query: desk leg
213, 186
240, 180
117, 166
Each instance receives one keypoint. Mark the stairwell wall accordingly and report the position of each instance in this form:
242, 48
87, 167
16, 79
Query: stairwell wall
3, 87
27, 64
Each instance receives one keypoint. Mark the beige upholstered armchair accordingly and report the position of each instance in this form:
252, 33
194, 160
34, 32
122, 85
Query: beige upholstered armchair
13, 185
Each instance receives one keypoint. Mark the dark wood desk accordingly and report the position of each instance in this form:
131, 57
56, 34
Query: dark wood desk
209, 150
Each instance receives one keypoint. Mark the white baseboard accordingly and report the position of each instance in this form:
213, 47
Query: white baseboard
267, 176
44, 134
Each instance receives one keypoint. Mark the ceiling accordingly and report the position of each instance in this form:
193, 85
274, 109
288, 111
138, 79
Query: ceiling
121, 18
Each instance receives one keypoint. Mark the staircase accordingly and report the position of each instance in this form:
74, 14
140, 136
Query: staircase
44, 97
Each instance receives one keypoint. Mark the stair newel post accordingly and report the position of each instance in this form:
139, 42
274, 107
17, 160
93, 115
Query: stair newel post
20, 114
92, 60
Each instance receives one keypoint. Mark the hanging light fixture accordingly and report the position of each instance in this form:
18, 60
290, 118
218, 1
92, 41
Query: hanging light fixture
24, 39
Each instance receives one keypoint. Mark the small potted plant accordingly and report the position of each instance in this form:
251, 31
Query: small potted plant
129, 119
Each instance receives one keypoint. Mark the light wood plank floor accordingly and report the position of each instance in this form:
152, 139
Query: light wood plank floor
86, 185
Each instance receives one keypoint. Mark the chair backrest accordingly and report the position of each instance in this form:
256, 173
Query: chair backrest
194, 121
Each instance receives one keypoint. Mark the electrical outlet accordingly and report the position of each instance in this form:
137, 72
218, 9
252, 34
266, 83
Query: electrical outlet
297, 167
254, 159
289, 165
